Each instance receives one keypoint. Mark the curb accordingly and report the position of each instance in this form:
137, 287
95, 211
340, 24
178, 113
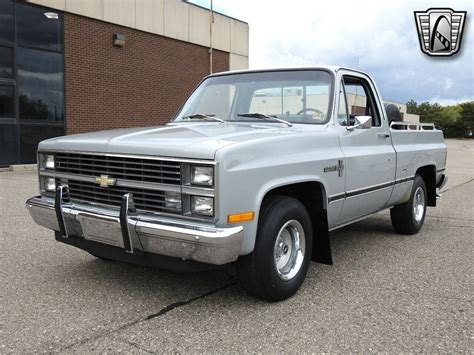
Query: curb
23, 168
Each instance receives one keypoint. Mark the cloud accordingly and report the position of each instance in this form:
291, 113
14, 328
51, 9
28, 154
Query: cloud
377, 37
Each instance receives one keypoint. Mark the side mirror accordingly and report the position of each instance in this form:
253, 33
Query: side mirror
361, 122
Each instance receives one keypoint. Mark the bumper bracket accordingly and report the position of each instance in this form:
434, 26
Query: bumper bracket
127, 206
61, 196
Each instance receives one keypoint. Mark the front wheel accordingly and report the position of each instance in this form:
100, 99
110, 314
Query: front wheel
278, 265
408, 217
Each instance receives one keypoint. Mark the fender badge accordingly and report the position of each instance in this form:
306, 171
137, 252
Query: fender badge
339, 168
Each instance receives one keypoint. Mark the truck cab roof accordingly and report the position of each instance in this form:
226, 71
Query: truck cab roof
331, 68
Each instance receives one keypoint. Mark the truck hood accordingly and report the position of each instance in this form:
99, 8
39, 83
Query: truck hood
185, 140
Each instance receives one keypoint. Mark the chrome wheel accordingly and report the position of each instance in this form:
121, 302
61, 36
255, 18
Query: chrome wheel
289, 250
419, 204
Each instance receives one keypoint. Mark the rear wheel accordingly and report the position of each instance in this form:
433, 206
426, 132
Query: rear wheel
278, 265
408, 218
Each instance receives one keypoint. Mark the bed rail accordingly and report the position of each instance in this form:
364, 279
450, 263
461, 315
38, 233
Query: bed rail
412, 126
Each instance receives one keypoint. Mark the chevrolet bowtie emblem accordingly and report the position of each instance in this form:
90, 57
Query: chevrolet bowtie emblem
105, 181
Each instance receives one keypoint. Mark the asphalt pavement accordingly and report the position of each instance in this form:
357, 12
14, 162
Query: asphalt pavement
385, 292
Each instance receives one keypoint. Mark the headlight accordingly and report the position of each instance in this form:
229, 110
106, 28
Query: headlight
173, 200
48, 184
202, 175
49, 161
202, 205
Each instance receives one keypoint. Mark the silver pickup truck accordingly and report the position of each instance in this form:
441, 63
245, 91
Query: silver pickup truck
256, 168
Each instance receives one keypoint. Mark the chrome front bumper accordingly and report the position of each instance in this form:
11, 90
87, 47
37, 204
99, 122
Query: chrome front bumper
130, 231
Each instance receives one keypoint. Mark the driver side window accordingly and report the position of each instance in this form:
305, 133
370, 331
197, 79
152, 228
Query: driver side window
359, 100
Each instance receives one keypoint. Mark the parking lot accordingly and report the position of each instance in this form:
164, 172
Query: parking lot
385, 292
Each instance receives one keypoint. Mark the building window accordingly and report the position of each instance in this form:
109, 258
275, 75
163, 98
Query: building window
7, 30
31, 135
8, 144
40, 85
46, 32
6, 62
31, 79
6, 101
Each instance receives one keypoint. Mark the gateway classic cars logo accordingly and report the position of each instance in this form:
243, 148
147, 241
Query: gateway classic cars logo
440, 30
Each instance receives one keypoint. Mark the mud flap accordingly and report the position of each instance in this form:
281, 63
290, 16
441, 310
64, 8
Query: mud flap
321, 244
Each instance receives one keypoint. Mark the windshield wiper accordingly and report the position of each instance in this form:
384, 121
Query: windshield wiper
203, 116
264, 117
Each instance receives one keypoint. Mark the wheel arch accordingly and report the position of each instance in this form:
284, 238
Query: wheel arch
428, 173
312, 194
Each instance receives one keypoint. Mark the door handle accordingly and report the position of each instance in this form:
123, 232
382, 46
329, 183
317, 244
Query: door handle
384, 134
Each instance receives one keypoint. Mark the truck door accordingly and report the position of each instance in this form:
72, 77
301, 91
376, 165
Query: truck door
369, 155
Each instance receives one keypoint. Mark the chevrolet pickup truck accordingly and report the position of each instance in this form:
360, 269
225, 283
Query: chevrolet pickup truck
256, 168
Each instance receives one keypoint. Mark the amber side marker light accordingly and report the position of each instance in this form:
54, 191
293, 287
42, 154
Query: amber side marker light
240, 217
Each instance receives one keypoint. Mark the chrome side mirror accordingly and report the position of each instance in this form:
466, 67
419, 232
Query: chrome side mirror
361, 122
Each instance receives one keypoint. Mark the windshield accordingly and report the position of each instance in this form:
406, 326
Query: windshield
296, 96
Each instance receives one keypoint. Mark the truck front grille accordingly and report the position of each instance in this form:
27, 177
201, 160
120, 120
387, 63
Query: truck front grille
146, 200
124, 168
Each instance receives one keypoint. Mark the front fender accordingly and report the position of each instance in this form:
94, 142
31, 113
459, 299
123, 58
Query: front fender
250, 228
280, 182
249, 170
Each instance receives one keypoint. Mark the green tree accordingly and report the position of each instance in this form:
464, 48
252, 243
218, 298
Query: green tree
466, 115
412, 107
454, 120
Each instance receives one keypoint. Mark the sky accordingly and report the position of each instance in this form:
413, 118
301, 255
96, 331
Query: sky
377, 37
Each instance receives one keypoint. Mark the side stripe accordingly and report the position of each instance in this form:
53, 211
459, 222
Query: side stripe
365, 190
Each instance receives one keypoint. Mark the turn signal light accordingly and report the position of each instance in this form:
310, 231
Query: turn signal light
240, 217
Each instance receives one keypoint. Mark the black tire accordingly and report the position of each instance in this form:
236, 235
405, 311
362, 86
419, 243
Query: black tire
403, 215
393, 113
257, 271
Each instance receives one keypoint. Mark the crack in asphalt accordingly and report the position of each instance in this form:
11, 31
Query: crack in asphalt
160, 313
135, 345
172, 306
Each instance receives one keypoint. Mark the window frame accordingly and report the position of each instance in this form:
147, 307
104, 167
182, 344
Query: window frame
370, 98
342, 91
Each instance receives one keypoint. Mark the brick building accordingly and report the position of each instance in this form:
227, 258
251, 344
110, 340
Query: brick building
63, 71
